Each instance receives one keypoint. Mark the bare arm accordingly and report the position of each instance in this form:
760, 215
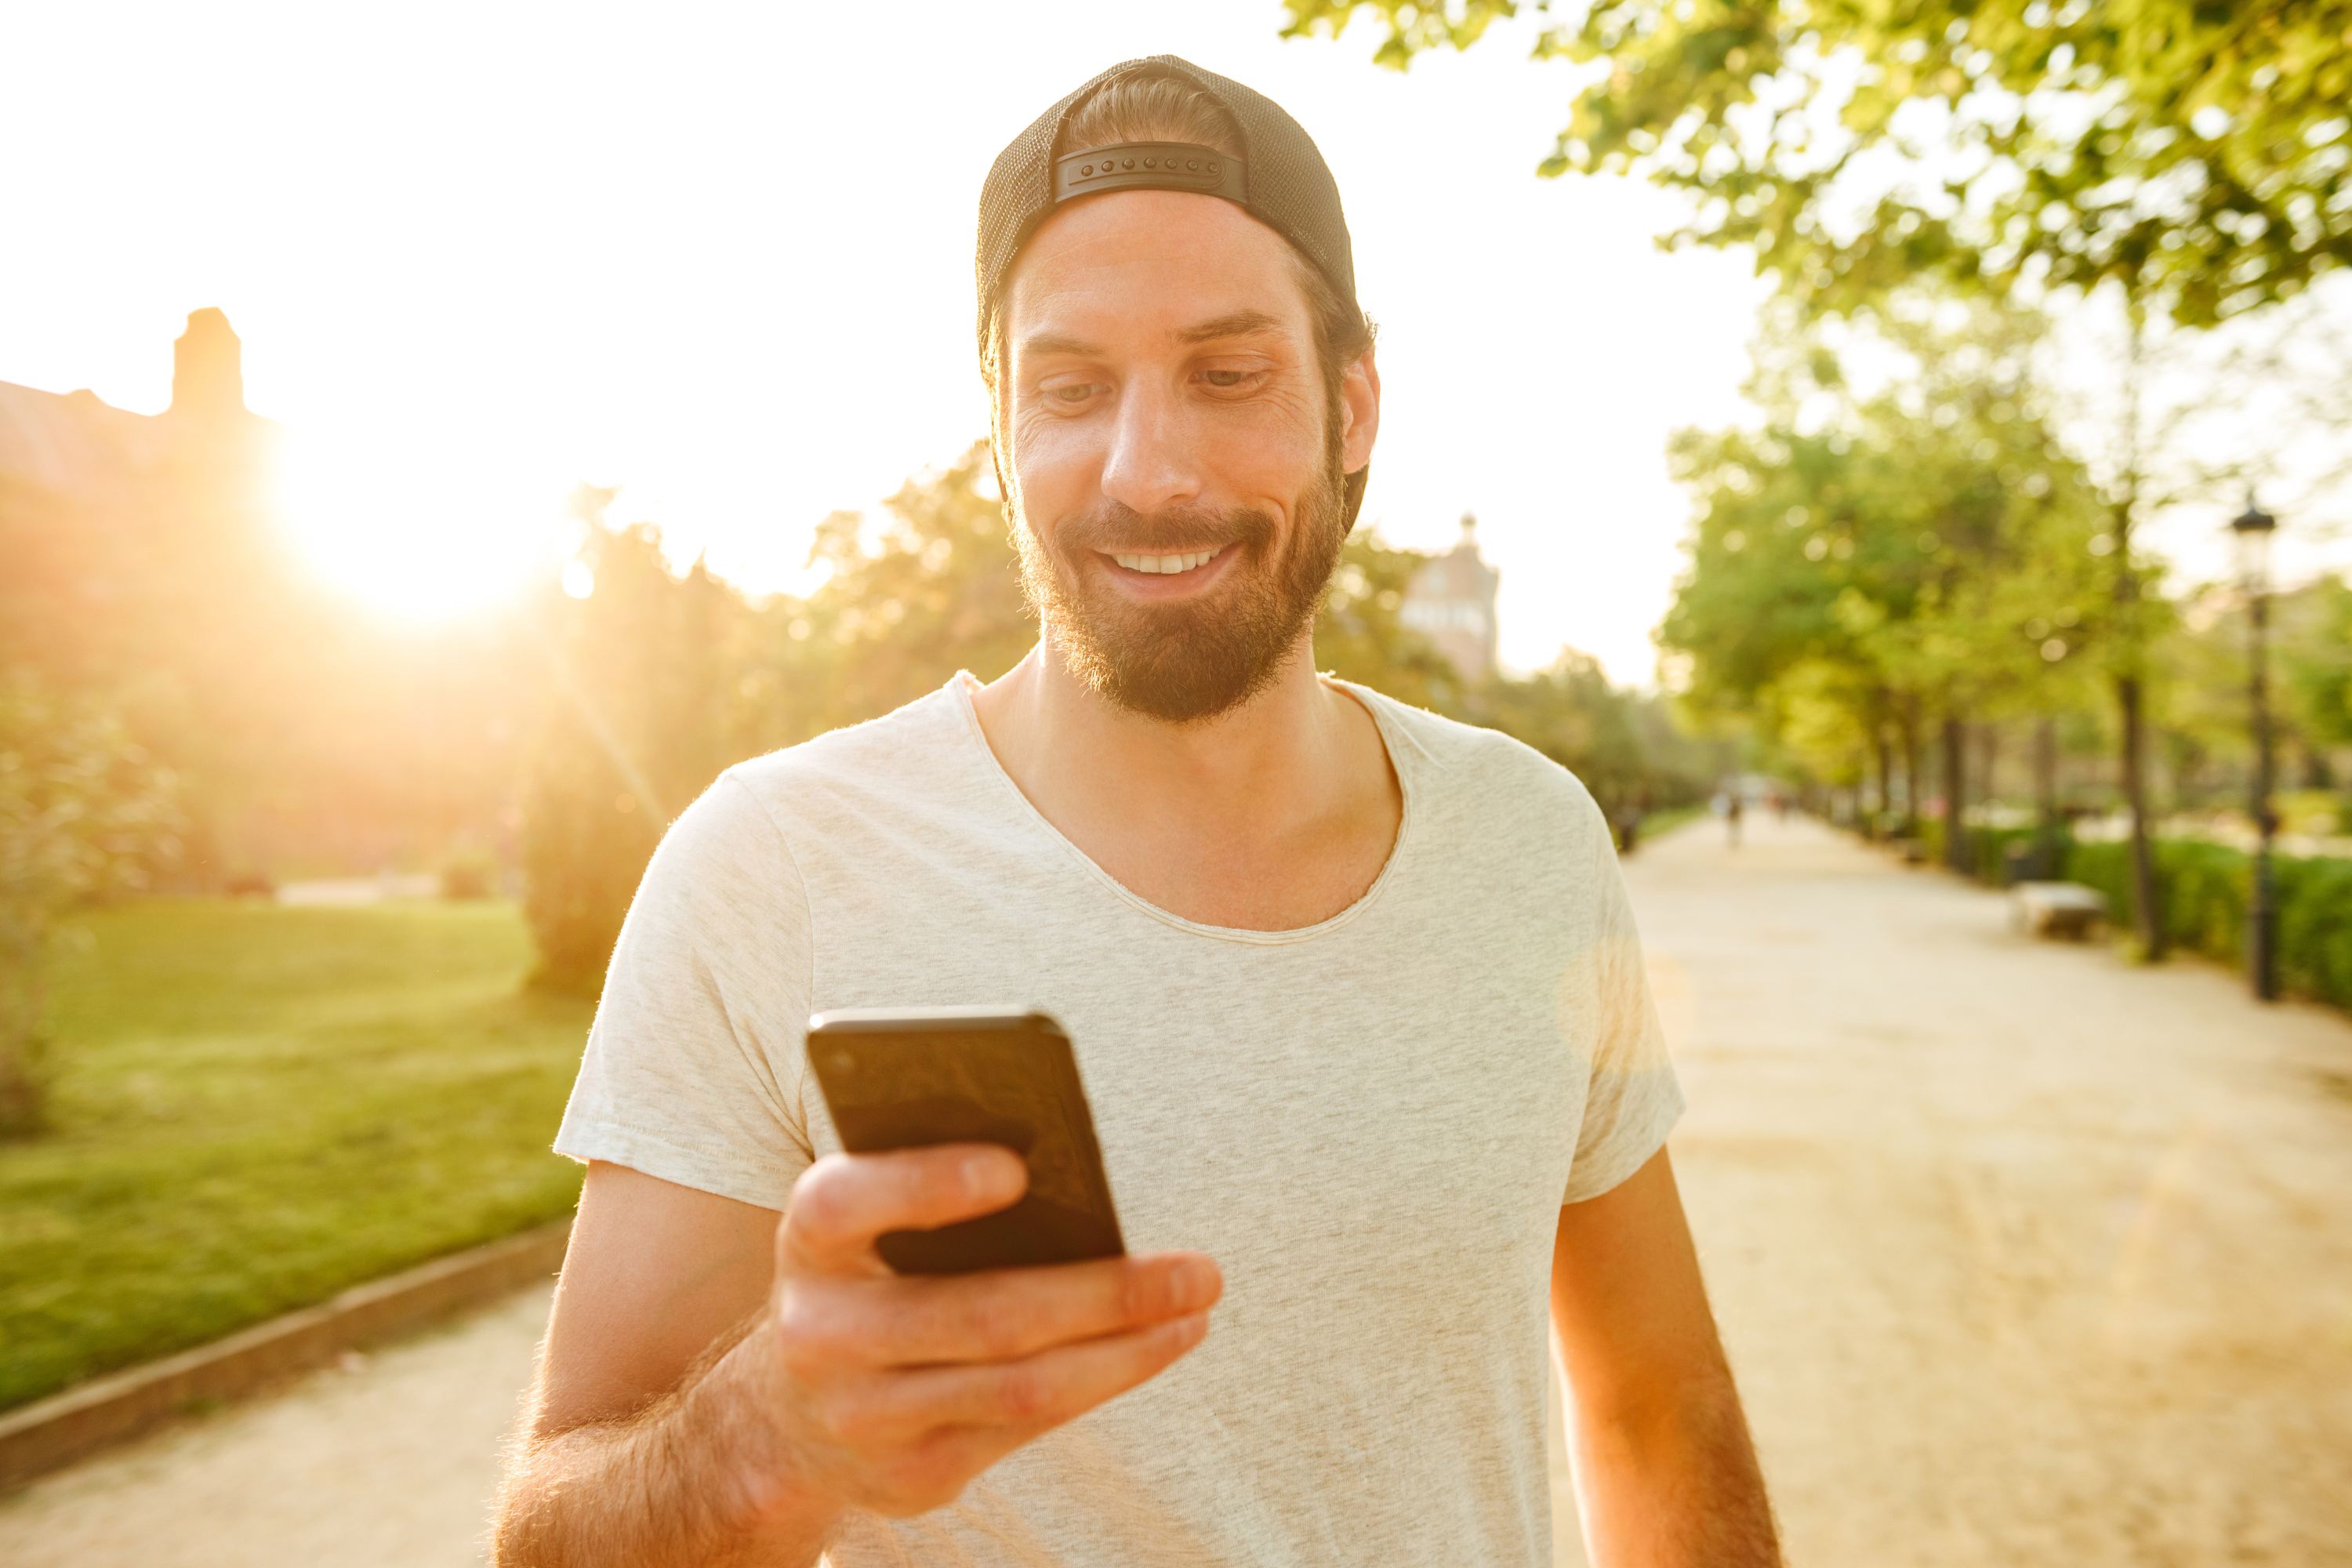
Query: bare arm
1664, 1471
718, 1387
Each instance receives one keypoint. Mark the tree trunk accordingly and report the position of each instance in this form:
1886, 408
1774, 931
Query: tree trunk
2046, 798
2130, 697
1956, 779
2146, 925
1911, 770
1886, 782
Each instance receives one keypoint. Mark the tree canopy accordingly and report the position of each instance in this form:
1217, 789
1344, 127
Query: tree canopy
2199, 154
1863, 561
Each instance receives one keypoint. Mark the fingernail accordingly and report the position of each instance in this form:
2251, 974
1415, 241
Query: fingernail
1194, 1285
1189, 1330
983, 1175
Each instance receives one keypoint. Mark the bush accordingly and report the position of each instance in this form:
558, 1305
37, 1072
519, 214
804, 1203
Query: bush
2203, 894
83, 814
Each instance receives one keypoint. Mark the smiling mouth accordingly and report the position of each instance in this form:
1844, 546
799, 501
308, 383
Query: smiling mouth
1168, 566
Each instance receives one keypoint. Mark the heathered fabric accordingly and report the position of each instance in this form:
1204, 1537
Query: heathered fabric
1371, 1123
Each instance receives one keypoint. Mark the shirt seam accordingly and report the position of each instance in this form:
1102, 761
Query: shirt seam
808, 924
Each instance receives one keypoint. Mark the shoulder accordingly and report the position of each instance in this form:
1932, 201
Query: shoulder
909, 748
1480, 772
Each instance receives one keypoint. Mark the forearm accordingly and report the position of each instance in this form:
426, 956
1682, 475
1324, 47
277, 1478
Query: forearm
700, 1479
1675, 1484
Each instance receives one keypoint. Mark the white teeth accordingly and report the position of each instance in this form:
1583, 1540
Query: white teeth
1164, 563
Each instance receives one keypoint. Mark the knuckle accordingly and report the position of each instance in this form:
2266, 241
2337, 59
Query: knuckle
802, 1336
992, 1322
1137, 1293
1023, 1394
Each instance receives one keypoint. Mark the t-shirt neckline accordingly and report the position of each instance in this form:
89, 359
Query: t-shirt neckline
960, 690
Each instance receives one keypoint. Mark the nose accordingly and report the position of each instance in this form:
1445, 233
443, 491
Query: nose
1154, 458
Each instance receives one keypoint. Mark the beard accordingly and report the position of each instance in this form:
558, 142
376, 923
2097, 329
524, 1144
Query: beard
1185, 663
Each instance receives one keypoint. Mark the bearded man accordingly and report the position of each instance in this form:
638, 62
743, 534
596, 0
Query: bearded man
1356, 990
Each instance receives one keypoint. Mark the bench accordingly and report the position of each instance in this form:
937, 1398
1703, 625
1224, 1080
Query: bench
2057, 909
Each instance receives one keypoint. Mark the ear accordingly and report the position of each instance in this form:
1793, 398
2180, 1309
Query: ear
1359, 411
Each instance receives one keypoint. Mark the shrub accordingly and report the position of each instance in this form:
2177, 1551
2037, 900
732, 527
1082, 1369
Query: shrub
83, 814
2203, 894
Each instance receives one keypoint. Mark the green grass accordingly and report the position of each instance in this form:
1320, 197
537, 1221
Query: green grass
257, 1107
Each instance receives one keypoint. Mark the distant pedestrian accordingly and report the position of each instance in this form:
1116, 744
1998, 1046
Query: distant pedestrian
1629, 827
1731, 816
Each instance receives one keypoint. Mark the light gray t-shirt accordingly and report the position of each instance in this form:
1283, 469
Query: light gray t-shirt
1371, 1123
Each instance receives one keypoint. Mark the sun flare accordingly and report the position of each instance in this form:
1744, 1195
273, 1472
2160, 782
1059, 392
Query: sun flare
428, 538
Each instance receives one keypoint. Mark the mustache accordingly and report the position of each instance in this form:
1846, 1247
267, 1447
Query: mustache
1112, 528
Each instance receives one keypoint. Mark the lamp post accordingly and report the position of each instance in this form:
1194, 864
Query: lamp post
2253, 528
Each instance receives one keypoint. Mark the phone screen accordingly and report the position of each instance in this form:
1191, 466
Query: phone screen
913, 1078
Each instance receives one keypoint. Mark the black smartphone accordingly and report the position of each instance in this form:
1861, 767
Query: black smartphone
914, 1077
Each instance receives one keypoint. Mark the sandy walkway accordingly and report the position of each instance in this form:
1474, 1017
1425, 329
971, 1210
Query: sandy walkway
2024, 1258
387, 1464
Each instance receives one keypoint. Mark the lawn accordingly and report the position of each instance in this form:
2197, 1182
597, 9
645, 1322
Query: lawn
259, 1107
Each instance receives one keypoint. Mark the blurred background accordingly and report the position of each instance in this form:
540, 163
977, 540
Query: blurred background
436, 442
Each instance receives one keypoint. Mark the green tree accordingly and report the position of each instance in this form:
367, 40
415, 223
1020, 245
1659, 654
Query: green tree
2198, 154
635, 728
1361, 634
1864, 566
84, 814
935, 589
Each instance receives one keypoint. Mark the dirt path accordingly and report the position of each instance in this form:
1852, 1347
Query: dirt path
2024, 1258
386, 1463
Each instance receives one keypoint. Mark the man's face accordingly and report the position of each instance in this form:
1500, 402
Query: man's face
1178, 479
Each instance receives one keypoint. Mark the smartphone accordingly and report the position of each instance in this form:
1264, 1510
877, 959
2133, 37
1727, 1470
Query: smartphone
914, 1077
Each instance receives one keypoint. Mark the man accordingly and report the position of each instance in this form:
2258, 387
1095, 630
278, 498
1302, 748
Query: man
1355, 991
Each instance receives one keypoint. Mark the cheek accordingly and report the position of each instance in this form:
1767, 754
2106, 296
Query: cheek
1052, 460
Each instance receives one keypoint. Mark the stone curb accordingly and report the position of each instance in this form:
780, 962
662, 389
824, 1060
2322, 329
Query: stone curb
66, 1427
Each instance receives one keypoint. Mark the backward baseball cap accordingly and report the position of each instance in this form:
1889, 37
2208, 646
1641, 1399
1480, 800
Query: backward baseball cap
1282, 182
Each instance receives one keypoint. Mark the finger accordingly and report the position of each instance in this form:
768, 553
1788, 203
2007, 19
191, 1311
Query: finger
1035, 1394
844, 1201
1002, 1315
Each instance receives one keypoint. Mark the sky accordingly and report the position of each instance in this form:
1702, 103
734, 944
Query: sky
721, 256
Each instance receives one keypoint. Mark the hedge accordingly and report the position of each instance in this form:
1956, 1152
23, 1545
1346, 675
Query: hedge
2203, 890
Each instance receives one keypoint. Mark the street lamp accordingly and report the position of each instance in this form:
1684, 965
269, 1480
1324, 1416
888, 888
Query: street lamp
2253, 528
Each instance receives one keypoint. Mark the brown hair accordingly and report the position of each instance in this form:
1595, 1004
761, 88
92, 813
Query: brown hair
1149, 105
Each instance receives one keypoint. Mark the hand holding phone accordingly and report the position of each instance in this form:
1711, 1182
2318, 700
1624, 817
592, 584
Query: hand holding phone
891, 1389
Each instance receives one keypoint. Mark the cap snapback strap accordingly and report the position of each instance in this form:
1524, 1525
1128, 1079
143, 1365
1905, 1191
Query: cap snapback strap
1151, 166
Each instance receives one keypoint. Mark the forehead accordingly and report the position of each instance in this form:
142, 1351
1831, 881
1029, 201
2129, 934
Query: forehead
1134, 263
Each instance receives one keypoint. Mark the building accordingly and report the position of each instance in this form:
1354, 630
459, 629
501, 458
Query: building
1452, 602
74, 446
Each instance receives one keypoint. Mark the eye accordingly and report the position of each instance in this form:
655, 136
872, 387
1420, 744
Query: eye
1072, 395
1225, 378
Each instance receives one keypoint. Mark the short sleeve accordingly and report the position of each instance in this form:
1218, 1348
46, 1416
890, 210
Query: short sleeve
1632, 1098
693, 1070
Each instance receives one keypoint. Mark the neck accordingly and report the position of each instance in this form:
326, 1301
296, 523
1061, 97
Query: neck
1218, 819
1247, 757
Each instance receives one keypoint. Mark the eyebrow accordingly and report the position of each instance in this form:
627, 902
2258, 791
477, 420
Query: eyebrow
1239, 324
1234, 324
